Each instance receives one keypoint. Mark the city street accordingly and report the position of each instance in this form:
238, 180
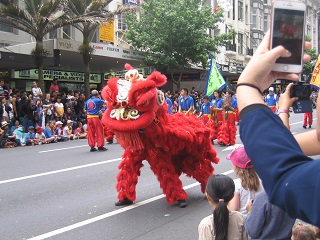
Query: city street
63, 191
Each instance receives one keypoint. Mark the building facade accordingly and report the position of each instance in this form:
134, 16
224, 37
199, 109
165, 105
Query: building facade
250, 19
64, 62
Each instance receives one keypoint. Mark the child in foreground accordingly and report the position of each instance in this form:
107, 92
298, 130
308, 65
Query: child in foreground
222, 224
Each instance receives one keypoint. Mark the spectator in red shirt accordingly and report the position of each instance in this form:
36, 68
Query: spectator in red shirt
54, 86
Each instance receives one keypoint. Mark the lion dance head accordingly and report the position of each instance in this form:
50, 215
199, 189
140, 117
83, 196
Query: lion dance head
132, 103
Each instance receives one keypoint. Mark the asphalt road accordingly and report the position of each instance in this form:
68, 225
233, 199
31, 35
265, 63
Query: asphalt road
62, 191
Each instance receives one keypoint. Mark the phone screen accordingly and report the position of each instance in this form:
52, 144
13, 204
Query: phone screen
288, 31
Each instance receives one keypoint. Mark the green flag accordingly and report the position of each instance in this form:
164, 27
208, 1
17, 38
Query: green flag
215, 80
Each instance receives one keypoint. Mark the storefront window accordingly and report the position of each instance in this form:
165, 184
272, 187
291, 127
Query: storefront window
4, 28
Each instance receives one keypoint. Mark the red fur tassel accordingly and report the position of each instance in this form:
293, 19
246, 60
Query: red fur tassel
223, 135
129, 140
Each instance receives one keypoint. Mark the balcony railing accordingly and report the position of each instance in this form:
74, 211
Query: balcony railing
232, 47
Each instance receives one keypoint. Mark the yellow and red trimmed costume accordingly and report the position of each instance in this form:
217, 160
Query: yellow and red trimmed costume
95, 129
227, 129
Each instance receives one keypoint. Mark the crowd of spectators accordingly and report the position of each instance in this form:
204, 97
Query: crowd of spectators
174, 98
32, 118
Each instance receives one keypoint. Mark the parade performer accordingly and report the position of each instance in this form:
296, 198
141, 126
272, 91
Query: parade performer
307, 117
272, 100
227, 131
186, 102
206, 116
108, 133
205, 109
217, 111
169, 103
171, 143
95, 129
234, 98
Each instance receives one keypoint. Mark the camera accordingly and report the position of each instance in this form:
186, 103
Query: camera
302, 91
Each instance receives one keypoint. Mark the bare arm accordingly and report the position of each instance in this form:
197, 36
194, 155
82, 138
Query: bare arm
285, 102
308, 141
14, 104
189, 110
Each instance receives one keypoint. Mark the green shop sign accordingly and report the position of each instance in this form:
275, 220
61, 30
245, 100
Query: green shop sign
63, 76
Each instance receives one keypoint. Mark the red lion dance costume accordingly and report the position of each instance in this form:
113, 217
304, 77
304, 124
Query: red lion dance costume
172, 144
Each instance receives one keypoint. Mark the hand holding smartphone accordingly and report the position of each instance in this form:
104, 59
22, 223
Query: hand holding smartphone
287, 30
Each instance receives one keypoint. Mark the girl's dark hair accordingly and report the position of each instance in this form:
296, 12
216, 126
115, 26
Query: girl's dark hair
219, 93
220, 188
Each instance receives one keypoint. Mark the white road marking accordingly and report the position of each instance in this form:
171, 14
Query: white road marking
228, 172
230, 148
295, 123
58, 171
109, 214
60, 149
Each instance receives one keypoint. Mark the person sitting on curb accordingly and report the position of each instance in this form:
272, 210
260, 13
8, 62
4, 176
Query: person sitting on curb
31, 137
59, 132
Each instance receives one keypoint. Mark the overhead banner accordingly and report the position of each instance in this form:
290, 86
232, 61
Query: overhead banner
107, 32
215, 81
315, 79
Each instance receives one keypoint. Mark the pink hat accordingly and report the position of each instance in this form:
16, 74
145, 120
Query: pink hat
69, 121
239, 158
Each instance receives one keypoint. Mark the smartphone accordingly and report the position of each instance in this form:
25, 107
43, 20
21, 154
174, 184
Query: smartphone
287, 30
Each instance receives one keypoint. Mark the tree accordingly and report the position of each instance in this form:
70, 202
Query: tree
86, 16
37, 18
308, 66
173, 34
